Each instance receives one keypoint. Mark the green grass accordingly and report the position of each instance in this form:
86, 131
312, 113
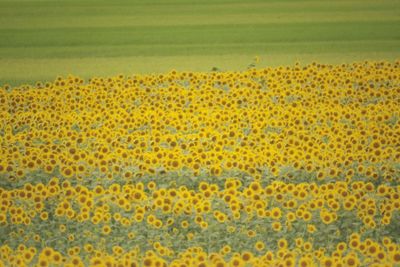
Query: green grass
41, 39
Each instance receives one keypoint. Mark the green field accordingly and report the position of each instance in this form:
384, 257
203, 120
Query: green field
41, 39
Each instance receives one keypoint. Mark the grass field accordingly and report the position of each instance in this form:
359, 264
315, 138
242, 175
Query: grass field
43, 39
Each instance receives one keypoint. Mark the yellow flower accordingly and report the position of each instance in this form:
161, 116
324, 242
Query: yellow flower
106, 229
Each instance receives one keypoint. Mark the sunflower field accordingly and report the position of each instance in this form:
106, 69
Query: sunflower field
280, 166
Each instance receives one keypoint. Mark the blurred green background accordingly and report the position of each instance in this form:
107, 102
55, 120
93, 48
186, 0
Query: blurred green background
41, 39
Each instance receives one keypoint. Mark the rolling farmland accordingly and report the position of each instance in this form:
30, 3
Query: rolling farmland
43, 39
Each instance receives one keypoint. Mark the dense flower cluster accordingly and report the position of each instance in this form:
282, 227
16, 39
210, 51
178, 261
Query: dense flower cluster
365, 252
305, 202
286, 166
333, 121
